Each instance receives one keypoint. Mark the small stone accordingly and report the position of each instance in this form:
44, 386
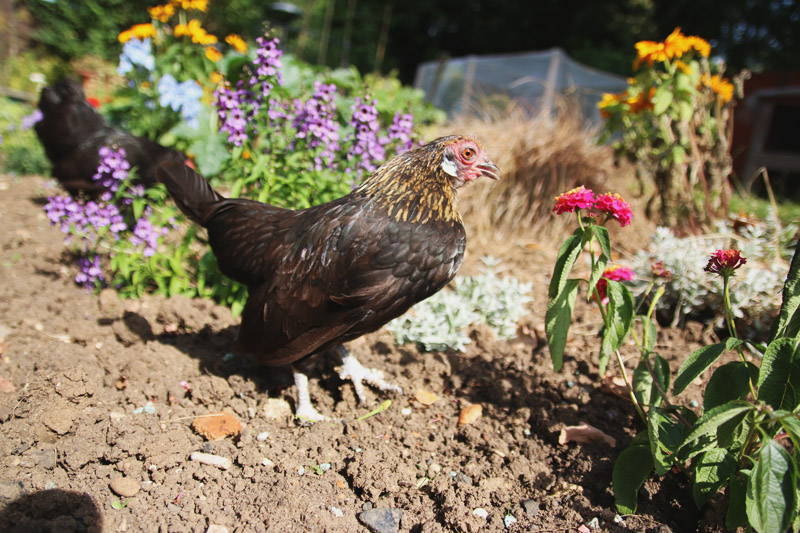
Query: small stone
531, 507
381, 520
325, 467
594, 523
526, 432
217, 425
223, 463
300, 470
124, 486
469, 414
367, 506
433, 470
583, 529
693, 403
336, 511
480, 512
266, 462
425, 398
406, 411
214, 528
276, 409
50, 485
261, 437
509, 520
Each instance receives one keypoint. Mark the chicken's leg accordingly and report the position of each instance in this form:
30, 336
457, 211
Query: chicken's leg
356, 372
304, 410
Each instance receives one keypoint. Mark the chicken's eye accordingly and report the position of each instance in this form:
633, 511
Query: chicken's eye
468, 153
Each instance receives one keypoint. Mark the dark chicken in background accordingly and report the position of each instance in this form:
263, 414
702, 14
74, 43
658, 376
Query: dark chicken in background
325, 275
72, 133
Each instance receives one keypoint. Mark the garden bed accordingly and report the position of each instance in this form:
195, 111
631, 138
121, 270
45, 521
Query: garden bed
94, 389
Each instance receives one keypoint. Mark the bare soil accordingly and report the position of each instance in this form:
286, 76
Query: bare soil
93, 389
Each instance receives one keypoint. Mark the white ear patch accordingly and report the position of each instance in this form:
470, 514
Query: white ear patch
449, 166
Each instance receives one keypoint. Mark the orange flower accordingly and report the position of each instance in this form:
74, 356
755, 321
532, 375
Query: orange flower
139, 31
719, 85
237, 42
162, 13
216, 78
640, 102
650, 52
674, 46
701, 45
213, 54
200, 5
610, 99
195, 32
680, 65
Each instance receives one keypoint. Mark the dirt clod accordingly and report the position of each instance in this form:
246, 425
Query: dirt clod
124, 486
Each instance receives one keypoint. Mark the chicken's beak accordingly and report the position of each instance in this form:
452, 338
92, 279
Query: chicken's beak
489, 169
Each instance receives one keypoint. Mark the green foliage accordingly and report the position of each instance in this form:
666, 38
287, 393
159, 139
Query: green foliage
735, 443
440, 322
21, 151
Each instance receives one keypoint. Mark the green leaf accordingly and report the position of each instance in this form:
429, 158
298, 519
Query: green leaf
772, 490
779, 376
732, 435
666, 436
643, 385
662, 99
737, 513
712, 471
697, 363
787, 323
620, 319
715, 417
649, 335
631, 470
601, 235
566, 259
791, 424
729, 382
557, 320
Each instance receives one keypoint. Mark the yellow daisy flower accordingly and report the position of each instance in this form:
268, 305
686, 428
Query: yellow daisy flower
237, 42
138, 31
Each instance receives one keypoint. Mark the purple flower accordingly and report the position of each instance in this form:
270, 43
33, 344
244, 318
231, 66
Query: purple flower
145, 233
315, 122
28, 121
91, 274
268, 59
401, 131
366, 150
113, 169
231, 105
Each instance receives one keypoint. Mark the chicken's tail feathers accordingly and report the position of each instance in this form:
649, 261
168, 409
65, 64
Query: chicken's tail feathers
192, 193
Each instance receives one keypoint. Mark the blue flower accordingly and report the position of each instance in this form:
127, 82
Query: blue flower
181, 96
136, 53
29, 120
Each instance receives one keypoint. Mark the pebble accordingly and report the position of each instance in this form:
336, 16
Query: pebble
148, 409
325, 467
223, 463
509, 520
275, 408
261, 437
124, 486
227, 357
336, 511
693, 403
406, 411
531, 507
266, 462
381, 520
367, 506
480, 512
49, 485
300, 470
594, 523
214, 528
433, 470
469, 414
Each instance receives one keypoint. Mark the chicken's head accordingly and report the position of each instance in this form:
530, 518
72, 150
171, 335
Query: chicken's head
463, 160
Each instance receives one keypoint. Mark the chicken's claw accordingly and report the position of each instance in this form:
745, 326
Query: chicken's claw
357, 373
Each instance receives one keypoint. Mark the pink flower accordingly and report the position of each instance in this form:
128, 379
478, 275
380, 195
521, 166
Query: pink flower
725, 262
614, 205
614, 273
577, 198
658, 270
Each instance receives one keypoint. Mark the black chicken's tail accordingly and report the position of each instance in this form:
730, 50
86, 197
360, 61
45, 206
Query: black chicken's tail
191, 192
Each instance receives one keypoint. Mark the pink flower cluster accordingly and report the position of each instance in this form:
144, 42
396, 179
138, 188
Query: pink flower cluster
725, 262
582, 198
614, 273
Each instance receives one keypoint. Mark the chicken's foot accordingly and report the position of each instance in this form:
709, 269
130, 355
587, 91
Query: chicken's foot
357, 373
304, 410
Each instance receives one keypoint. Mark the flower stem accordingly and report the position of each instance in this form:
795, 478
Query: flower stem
729, 318
629, 386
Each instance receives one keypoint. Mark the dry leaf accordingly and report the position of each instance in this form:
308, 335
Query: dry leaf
217, 425
615, 385
583, 434
469, 414
425, 398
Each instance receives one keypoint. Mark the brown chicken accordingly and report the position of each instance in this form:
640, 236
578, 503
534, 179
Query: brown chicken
72, 133
322, 276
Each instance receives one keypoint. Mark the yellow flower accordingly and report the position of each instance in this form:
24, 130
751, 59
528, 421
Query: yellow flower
719, 85
196, 32
676, 44
162, 13
701, 45
216, 78
640, 102
200, 5
680, 65
246, 154
213, 54
237, 42
650, 52
608, 100
139, 31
